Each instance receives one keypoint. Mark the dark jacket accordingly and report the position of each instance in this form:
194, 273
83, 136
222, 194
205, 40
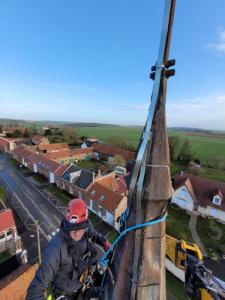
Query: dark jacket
63, 263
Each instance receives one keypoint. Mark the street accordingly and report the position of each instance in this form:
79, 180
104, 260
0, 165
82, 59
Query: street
19, 189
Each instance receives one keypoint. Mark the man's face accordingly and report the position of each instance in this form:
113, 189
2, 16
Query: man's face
76, 235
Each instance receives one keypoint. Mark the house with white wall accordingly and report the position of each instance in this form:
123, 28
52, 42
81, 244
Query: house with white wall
205, 196
106, 203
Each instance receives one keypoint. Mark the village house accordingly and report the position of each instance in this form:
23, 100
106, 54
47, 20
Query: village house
16, 151
36, 162
106, 203
39, 139
205, 196
106, 152
23, 155
9, 238
110, 181
89, 142
44, 166
7, 144
74, 180
4, 145
7, 228
67, 157
7, 130
51, 148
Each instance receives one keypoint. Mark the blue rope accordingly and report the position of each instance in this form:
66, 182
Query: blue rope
104, 261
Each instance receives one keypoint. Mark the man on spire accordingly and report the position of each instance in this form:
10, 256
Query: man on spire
69, 254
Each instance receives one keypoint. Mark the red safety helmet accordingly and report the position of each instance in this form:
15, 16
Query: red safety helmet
76, 215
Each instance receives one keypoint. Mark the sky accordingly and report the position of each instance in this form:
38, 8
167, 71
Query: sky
89, 61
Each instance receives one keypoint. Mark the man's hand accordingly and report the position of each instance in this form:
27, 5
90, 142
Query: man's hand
106, 245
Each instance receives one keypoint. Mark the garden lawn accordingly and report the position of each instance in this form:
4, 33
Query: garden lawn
209, 243
4, 255
86, 164
175, 287
3, 195
63, 198
177, 224
214, 174
112, 235
94, 219
13, 162
40, 179
25, 171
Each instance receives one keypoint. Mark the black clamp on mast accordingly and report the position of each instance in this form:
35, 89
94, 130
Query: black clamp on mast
166, 71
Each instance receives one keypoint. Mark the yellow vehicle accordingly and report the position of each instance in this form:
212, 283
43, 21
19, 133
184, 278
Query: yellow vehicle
199, 282
177, 251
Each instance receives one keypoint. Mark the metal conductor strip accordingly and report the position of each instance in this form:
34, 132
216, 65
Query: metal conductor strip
140, 165
158, 74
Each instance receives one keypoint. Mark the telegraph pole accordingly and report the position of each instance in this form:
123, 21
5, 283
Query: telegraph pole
38, 240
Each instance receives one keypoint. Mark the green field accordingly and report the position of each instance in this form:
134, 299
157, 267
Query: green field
205, 148
104, 134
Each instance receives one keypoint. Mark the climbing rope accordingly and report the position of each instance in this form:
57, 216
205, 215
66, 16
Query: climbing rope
104, 261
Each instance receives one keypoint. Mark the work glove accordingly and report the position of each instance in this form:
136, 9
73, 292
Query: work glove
106, 245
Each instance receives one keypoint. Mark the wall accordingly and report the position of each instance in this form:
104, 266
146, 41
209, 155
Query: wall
183, 198
121, 208
212, 212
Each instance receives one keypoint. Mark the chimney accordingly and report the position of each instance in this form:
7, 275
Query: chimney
99, 173
93, 177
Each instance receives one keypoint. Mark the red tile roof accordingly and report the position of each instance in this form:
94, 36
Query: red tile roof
11, 129
25, 153
56, 146
6, 220
202, 190
56, 155
66, 153
111, 199
122, 185
17, 150
108, 181
112, 151
81, 151
34, 158
15, 285
47, 164
37, 138
4, 142
59, 172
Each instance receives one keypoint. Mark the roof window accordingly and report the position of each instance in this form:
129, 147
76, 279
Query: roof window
93, 192
102, 197
217, 200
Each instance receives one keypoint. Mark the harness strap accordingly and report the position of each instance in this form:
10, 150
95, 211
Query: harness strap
104, 261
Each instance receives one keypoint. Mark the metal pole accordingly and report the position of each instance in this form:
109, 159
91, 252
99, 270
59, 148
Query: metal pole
38, 240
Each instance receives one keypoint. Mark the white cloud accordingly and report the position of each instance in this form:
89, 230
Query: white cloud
205, 112
219, 46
